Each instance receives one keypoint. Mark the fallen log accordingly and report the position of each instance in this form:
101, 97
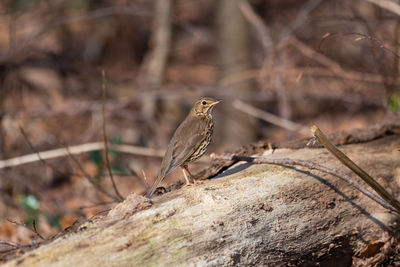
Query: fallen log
250, 215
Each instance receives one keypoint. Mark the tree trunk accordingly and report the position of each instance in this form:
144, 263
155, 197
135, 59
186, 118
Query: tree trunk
161, 42
234, 57
250, 215
156, 61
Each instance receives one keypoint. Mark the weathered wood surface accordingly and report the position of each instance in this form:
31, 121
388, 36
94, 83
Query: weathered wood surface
254, 215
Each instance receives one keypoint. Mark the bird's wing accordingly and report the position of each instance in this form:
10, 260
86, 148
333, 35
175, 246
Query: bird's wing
181, 149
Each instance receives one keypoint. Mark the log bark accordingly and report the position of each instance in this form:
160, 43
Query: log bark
250, 215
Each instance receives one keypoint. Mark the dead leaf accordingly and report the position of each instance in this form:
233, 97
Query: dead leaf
371, 249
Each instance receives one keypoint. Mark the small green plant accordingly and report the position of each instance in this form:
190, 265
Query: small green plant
393, 102
31, 205
97, 157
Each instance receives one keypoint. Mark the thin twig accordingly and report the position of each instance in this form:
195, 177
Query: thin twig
312, 166
271, 118
10, 243
284, 108
360, 36
275, 57
141, 178
14, 246
22, 131
145, 179
355, 168
78, 149
34, 230
32, 147
301, 17
257, 22
103, 89
318, 57
89, 178
345, 74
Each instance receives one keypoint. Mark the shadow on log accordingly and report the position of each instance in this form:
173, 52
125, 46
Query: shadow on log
262, 215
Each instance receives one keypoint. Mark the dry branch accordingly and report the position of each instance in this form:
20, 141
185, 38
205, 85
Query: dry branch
78, 149
295, 71
388, 5
272, 57
257, 22
355, 168
271, 118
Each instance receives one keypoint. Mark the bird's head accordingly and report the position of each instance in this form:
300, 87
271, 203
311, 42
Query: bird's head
204, 106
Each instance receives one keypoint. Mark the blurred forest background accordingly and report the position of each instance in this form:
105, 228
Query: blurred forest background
333, 63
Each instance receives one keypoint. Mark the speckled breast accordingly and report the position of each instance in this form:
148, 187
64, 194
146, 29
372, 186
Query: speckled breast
204, 144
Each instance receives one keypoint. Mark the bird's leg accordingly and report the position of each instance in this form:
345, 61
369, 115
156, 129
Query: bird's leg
188, 175
193, 181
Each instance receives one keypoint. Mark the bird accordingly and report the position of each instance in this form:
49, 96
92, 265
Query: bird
189, 141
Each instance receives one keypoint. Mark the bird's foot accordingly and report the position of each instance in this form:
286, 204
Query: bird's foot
188, 184
195, 182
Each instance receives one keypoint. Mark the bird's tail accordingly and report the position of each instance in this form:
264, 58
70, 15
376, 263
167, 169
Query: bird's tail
154, 185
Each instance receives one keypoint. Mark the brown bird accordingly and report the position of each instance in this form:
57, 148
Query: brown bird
189, 142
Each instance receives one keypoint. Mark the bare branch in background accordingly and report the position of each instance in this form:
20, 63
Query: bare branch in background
31, 146
99, 13
258, 24
280, 59
301, 17
141, 178
271, 118
285, 110
318, 57
346, 74
272, 57
361, 36
389, 5
78, 149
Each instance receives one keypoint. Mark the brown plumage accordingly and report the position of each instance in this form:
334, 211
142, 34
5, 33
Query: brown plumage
190, 140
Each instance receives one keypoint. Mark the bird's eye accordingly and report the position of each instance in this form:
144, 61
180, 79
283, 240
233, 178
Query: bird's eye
203, 103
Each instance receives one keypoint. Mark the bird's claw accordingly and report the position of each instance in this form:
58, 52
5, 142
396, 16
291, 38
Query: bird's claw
188, 184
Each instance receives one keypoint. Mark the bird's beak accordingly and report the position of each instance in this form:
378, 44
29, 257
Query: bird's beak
216, 102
